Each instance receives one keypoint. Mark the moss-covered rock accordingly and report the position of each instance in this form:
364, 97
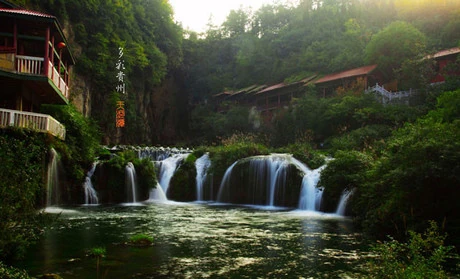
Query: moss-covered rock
182, 186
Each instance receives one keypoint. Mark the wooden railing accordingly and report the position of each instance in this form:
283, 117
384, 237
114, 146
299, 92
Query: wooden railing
35, 66
53, 74
29, 65
29, 120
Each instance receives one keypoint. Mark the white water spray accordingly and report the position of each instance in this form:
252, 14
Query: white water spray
130, 182
202, 165
53, 193
157, 194
342, 206
225, 181
167, 168
90, 192
310, 195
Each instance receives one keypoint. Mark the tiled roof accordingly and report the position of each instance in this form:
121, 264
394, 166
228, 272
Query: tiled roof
273, 87
347, 74
447, 52
26, 13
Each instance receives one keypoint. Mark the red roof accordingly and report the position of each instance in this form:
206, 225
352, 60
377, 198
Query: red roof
446, 52
26, 12
347, 74
273, 87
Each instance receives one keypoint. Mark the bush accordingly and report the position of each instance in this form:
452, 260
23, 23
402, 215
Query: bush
81, 145
110, 176
7, 272
304, 153
140, 240
347, 171
182, 186
23, 157
421, 257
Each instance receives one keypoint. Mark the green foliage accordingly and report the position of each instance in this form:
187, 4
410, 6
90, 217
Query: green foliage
23, 156
305, 153
347, 171
182, 185
370, 137
82, 139
397, 43
97, 252
416, 177
111, 180
225, 155
422, 256
7, 272
141, 239
211, 126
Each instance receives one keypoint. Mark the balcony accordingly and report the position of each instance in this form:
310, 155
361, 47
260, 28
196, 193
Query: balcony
34, 121
35, 66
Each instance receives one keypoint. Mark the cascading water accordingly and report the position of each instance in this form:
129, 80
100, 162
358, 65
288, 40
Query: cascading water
342, 206
53, 193
224, 184
157, 194
130, 182
202, 165
310, 195
274, 170
267, 183
90, 193
167, 168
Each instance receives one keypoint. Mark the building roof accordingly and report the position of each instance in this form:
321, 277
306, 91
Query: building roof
37, 16
347, 74
26, 13
273, 87
446, 52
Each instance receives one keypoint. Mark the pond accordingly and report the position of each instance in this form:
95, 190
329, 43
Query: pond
197, 241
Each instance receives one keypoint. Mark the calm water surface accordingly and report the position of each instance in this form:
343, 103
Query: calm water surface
198, 241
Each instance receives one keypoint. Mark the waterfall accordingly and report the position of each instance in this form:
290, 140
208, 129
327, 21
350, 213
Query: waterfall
310, 195
159, 153
225, 181
52, 185
266, 183
202, 165
342, 206
90, 192
270, 170
130, 182
167, 168
157, 194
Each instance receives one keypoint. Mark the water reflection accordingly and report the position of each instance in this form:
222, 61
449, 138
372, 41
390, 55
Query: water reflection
198, 241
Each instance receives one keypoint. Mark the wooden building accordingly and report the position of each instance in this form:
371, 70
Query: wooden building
35, 65
363, 76
444, 58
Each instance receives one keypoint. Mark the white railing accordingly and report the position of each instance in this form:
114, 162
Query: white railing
29, 65
53, 74
29, 120
390, 95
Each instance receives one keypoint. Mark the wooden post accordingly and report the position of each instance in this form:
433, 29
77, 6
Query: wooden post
47, 52
59, 67
15, 36
52, 57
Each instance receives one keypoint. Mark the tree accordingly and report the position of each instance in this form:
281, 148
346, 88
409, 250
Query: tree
395, 44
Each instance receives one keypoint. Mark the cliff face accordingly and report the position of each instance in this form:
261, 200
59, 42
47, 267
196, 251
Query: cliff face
163, 112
